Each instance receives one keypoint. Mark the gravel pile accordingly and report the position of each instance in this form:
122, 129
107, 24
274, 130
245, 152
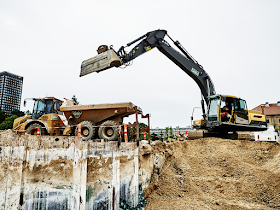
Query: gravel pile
214, 173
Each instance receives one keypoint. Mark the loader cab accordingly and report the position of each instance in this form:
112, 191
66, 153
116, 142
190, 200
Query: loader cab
44, 106
228, 109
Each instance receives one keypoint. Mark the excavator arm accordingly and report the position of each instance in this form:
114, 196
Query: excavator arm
147, 42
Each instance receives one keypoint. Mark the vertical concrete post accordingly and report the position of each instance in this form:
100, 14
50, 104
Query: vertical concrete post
83, 176
116, 180
136, 175
11, 158
137, 126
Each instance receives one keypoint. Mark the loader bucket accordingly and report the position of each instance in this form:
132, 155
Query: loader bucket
101, 62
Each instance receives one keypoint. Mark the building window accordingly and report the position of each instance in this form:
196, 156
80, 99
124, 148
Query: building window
267, 121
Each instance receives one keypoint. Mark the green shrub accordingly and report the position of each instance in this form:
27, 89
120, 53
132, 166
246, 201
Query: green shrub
8, 122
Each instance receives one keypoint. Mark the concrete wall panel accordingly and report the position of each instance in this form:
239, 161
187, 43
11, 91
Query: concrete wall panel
48, 172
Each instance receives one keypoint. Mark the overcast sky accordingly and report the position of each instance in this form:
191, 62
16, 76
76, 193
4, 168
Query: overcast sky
237, 43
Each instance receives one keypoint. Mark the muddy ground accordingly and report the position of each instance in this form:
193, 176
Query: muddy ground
214, 173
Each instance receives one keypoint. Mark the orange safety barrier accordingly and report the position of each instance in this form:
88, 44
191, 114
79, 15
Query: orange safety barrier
187, 135
38, 131
79, 129
179, 137
144, 135
125, 132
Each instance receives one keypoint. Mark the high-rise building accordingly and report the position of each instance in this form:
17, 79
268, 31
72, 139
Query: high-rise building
10, 91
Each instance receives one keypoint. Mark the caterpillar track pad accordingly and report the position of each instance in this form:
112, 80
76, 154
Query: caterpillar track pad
101, 62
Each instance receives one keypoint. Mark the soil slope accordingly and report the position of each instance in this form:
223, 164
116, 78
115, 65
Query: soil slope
215, 173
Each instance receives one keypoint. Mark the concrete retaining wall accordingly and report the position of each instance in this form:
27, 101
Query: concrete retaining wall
67, 173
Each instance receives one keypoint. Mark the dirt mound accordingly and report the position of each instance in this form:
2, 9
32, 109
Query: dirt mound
215, 173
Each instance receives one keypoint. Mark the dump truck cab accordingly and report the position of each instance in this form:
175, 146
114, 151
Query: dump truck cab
46, 105
46, 115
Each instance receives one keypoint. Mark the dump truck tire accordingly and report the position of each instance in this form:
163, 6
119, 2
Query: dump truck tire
87, 130
32, 129
108, 130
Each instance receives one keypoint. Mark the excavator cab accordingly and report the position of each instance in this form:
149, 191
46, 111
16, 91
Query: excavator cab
231, 113
229, 109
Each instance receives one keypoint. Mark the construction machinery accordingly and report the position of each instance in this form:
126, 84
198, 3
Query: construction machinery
46, 115
217, 120
56, 117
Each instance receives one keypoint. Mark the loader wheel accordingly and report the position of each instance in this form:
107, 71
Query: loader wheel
87, 130
108, 130
32, 129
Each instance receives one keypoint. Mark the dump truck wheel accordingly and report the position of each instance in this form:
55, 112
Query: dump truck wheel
87, 130
32, 129
108, 130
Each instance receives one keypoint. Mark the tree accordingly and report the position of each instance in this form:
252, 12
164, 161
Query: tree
28, 112
2, 116
8, 122
18, 113
167, 132
142, 125
171, 132
75, 100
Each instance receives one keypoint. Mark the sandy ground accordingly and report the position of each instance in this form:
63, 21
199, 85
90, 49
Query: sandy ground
215, 173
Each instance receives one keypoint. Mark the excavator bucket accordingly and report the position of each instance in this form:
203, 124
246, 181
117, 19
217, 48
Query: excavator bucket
104, 60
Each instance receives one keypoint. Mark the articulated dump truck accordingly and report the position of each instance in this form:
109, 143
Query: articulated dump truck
56, 117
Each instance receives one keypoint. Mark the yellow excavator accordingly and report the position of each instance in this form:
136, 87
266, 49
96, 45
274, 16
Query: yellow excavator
225, 114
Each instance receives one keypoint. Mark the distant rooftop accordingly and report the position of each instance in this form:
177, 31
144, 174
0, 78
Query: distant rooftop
10, 74
269, 109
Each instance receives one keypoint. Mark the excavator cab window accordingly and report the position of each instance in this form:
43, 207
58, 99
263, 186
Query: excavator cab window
213, 109
240, 105
241, 111
226, 109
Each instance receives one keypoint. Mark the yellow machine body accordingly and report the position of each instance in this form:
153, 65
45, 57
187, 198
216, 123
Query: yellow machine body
238, 114
49, 118
51, 122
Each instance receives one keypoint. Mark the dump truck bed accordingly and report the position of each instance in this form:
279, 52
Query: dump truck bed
99, 106
97, 113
